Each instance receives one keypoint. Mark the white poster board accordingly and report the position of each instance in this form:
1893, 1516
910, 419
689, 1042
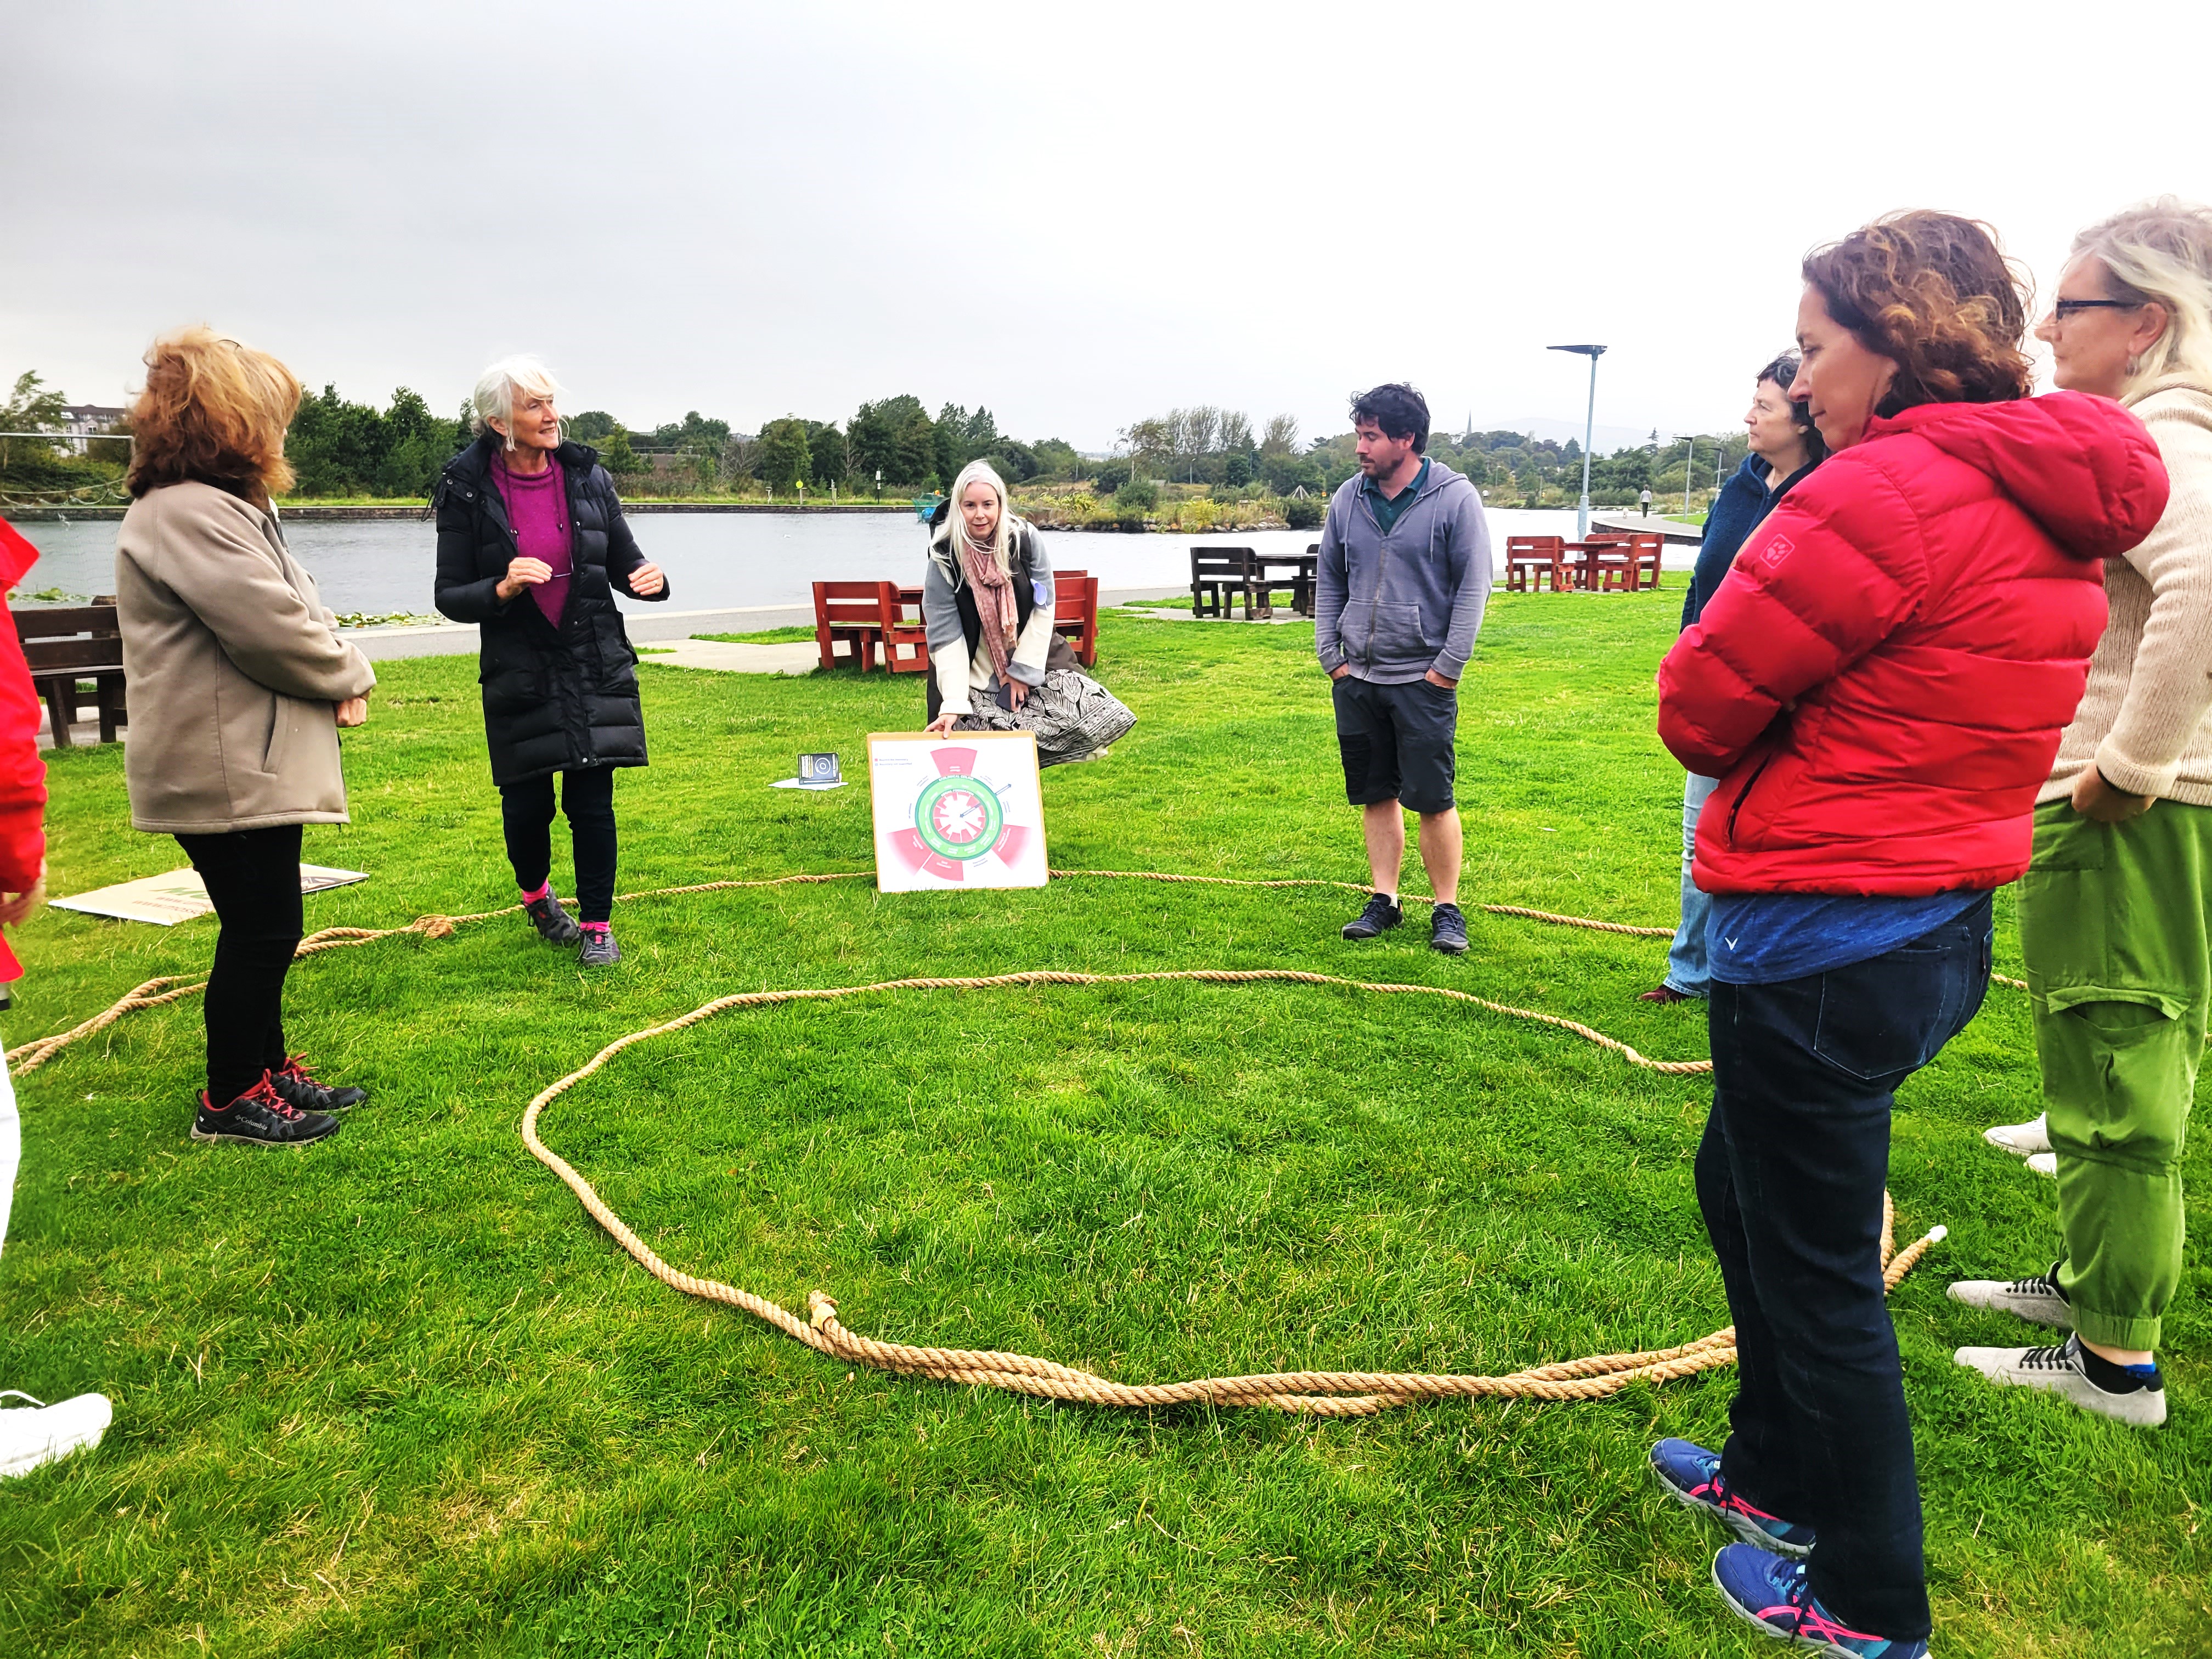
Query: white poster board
956, 811
180, 895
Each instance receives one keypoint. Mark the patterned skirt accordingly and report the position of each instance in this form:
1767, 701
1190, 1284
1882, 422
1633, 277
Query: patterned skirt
1072, 716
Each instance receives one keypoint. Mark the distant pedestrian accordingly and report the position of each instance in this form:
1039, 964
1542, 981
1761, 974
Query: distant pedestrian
1785, 445
1879, 685
1398, 600
996, 662
238, 682
531, 546
38, 1433
1644, 501
2115, 907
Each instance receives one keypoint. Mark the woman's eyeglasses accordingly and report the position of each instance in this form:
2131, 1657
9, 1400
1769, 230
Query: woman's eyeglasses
2064, 308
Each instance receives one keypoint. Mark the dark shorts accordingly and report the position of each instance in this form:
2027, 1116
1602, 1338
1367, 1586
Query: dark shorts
1397, 742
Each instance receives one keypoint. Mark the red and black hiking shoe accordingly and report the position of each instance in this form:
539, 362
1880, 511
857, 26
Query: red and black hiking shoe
297, 1084
261, 1117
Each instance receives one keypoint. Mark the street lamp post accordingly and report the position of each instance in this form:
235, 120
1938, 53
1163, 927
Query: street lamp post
1688, 455
1589, 430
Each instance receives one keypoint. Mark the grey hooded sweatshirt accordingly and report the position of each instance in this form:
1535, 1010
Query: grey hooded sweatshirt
1391, 607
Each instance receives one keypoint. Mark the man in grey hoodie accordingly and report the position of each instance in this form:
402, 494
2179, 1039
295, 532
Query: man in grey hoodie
1405, 572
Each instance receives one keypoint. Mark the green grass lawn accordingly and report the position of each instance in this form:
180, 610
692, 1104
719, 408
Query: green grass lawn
396, 1394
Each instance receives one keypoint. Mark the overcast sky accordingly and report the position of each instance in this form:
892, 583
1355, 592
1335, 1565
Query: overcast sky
1077, 216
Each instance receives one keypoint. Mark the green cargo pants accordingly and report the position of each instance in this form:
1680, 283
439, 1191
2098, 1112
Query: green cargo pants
2112, 921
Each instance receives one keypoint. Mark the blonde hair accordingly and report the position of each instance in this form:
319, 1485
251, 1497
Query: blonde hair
2161, 251
1002, 539
494, 398
213, 411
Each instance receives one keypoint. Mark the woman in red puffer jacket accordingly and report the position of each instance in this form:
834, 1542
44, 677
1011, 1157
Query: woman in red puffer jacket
30, 1434
1880, 685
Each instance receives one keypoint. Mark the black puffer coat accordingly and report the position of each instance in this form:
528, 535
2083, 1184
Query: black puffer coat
554, 699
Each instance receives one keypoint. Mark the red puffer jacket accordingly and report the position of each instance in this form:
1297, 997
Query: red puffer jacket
22, 774
1880, 681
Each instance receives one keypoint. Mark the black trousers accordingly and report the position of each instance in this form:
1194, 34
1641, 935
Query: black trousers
587, 796
253, 877
1789, 1176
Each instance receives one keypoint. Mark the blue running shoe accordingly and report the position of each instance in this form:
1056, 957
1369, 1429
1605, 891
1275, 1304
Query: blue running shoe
1692, 1476
1772, 1594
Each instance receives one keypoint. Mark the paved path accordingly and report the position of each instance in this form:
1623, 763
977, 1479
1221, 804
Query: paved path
801, 657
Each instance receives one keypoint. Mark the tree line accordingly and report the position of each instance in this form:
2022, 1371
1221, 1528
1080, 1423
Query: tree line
894, 446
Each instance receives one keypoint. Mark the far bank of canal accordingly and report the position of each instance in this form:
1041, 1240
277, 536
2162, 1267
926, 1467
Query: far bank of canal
714, 560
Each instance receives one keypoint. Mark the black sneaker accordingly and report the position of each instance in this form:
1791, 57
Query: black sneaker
297, 1084
555, 925
1378, 918
261, 1117
1448, 930
600, 950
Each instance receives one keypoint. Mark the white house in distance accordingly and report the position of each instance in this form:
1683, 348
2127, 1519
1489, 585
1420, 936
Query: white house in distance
81, 420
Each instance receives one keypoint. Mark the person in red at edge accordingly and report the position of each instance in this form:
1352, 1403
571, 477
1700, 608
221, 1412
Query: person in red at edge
1880, 686
35, 1434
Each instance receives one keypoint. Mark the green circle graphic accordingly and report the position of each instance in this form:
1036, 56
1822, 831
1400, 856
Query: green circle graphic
934, 838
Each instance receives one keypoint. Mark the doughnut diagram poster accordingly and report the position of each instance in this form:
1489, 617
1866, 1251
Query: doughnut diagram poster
957, 811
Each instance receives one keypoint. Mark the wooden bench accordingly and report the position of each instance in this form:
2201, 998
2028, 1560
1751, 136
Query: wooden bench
66, 646
854, 615
1075, 613
1530, 561
906, 631
1218, 574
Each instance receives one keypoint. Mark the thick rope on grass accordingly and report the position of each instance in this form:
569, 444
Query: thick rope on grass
1320, 1394
29, 1056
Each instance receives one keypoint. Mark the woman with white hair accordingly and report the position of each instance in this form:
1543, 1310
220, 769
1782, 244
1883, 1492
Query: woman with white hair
2117, 903
531, 544
995, 662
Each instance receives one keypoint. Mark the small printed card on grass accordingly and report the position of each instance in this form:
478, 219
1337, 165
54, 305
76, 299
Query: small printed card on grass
957, 811
180, 895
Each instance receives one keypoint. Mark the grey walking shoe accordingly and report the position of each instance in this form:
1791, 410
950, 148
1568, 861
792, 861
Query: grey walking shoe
2038, 1298
555, 926
600, 950
1448, 930
1378, 918
2061, 1370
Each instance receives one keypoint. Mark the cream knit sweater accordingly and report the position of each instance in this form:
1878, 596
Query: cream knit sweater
2144, 719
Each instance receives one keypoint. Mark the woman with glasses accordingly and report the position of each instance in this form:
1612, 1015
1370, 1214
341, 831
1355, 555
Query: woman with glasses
1880, 686
2113, 909
1784, 445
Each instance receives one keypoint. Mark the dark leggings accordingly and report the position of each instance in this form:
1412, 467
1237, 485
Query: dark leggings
253, 877
587, 796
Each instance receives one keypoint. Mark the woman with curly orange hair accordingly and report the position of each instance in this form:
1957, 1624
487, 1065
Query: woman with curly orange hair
238, 682
1880, 686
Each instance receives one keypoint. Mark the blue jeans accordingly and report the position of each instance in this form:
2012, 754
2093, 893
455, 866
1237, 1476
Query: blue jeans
1790, 1178
1686, 968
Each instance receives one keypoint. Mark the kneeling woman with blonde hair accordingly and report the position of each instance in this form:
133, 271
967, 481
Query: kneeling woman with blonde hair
532, 548
995, 663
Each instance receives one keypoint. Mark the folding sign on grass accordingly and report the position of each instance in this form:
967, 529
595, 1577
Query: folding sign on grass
957, 811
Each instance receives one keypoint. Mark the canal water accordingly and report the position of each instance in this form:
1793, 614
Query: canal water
714, 560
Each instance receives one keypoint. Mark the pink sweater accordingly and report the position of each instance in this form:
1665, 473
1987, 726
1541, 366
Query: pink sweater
538, 507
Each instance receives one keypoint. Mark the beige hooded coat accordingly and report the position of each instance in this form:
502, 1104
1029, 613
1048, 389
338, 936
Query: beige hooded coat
233, 667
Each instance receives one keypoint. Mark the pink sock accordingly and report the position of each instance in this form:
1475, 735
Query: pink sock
597, 926
544, 887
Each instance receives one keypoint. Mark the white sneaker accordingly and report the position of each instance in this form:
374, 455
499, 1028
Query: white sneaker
40, 1434
2045, 1164
2037, 1298
2059, 1371
2022, 1139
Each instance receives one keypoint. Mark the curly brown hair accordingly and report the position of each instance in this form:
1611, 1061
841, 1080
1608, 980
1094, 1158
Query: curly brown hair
213, 412
1934, 293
